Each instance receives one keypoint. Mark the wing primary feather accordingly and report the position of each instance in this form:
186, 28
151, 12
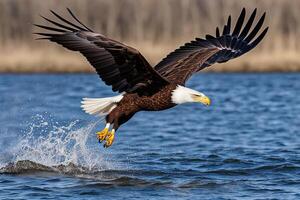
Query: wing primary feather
217, 32
229, 25
50, 28
256, 28
228, 41
224, 30
259, 38
239, 23
48, 34
248, 25
213, 40
233, 43
222, 41
59, 25
71, 13
66, 21
43, 38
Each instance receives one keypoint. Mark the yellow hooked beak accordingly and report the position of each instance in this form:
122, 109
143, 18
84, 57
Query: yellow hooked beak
202, 99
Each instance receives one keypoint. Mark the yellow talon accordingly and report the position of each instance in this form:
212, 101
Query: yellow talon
102, 134
110, 138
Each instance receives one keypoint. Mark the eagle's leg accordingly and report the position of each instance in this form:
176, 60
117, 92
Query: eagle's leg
109, 139
111, 135
103, 134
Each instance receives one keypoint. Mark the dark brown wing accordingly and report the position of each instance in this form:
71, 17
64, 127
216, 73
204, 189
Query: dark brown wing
118, 65
179, 65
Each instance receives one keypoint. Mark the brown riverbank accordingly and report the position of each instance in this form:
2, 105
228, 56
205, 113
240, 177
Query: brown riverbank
52, 59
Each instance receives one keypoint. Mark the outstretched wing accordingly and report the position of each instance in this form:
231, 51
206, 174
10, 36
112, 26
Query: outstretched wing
194, 56
118, 65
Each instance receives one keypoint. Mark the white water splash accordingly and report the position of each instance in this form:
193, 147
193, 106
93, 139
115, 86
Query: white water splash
53, 145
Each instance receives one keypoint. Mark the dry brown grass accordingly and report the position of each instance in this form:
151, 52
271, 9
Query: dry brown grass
57, 60
25, 60
155, 27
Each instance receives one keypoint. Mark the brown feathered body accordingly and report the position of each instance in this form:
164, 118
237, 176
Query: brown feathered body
133, 103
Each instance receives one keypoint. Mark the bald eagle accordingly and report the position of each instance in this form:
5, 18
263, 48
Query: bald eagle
141, 86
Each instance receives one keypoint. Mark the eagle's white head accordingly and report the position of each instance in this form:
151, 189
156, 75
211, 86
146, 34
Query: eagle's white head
186, 95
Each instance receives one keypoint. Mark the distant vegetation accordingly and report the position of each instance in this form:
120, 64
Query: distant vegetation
155, 27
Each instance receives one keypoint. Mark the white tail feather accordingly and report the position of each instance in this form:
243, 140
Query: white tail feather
100, 106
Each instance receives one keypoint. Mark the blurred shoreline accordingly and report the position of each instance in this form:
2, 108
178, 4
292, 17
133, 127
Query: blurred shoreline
153, 27
58, 60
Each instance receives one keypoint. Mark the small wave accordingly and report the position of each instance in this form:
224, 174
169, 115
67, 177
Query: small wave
27, 166
236, 161
278, 167
127, 181
204, 184
260, 169
101, 178
24, 167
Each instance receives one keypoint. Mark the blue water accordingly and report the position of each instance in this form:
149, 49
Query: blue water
246, 145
